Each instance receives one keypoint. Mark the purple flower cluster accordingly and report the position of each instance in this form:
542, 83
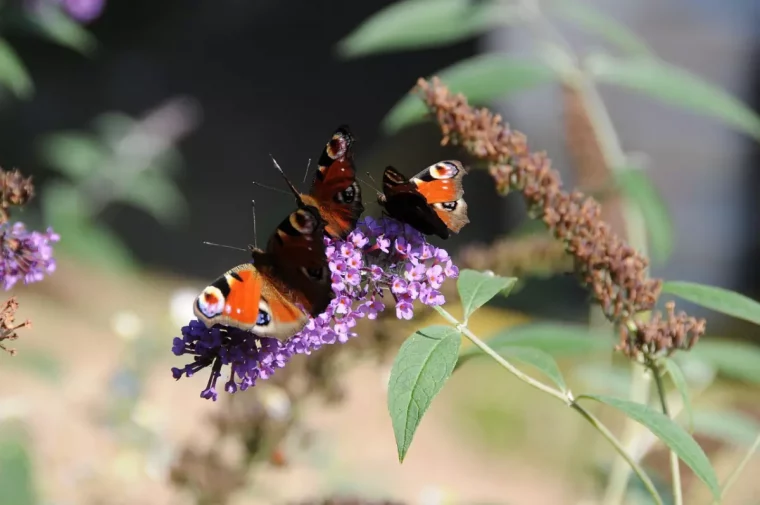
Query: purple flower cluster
25, 256
380, 260
82, 11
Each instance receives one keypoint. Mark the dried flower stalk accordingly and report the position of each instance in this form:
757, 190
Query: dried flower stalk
8, 326
615, 273
15, 190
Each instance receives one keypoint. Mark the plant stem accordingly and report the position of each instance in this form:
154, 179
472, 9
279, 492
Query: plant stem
565, 397
735, 473
674, 466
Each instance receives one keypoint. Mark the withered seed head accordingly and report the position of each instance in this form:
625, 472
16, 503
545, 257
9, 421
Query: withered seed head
615, 273
8, 325
15, 189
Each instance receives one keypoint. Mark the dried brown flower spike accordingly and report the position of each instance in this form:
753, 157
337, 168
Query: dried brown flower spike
8, 326
615, 273
15, 189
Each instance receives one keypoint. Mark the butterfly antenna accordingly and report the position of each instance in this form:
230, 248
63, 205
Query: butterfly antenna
306, 174
374, 181
255, 235
290, 184
225, 246
370, 185
271, 188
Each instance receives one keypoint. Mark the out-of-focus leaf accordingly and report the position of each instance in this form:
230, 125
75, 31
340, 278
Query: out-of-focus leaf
13, 73
52, 23
42, 364
156, 194
422, 366
16, 468
477, 288
677, 87
738, 360
65, 210
481, 78
727, 426
538, 359
639, 188
715, 298
594, 21
77, 155
112, 126
418, 24
677, 376
671, 434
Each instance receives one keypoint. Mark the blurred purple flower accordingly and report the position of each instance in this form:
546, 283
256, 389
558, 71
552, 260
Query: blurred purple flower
83, 11
26, 256
379, 257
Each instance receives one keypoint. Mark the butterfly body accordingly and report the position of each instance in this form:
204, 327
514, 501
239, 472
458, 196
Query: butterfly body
284, 284
431, 201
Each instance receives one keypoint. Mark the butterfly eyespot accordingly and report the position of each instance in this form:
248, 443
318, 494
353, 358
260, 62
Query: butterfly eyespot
336, 148
348, 195
211, 302
303, 221
444, 170
263, 318
316, 274
448, 206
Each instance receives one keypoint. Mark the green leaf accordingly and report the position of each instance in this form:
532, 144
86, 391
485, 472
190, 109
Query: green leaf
13, 73
674, 436
76, 155
153, 192
52, 23
538, 359
738, 360
16, 468
418, 24
676, 87
481, 78
476, 288
727, 426
679, 381
718, 299
638, 187
598, 23
423, 364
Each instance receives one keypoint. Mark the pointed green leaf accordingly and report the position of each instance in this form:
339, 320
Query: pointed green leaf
13, 73
76, 155
16, 468
715, 298
476, 288
638, 187
51, 22
670, 433
595, 22
727, 426
739, 360
418, 24
481, 78
676, 87
679, 381
538, 359
423, 364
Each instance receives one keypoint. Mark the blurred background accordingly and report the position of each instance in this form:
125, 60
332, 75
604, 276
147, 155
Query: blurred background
144, 124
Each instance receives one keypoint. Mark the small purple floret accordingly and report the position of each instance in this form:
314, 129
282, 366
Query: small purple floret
379, 258
26, 255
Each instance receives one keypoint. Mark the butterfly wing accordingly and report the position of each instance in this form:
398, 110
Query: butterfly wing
246, 298
405, 203
441, 187
335, 191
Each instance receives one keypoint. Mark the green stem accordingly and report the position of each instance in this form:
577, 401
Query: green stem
735, 473
674, 465
565, 397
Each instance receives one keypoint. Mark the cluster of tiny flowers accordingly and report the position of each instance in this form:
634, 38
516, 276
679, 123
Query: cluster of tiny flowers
379, 262
26, 255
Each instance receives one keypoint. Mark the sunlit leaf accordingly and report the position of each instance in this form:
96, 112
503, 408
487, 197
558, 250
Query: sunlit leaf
676, 87
638, 187
16, 467
715, 298
477, 288
671, 434
596, 22
423, 364
153, 192
679, 381
77, 155
52, 23
13, 73
481, 78
727, 426
738, 360
418, 24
